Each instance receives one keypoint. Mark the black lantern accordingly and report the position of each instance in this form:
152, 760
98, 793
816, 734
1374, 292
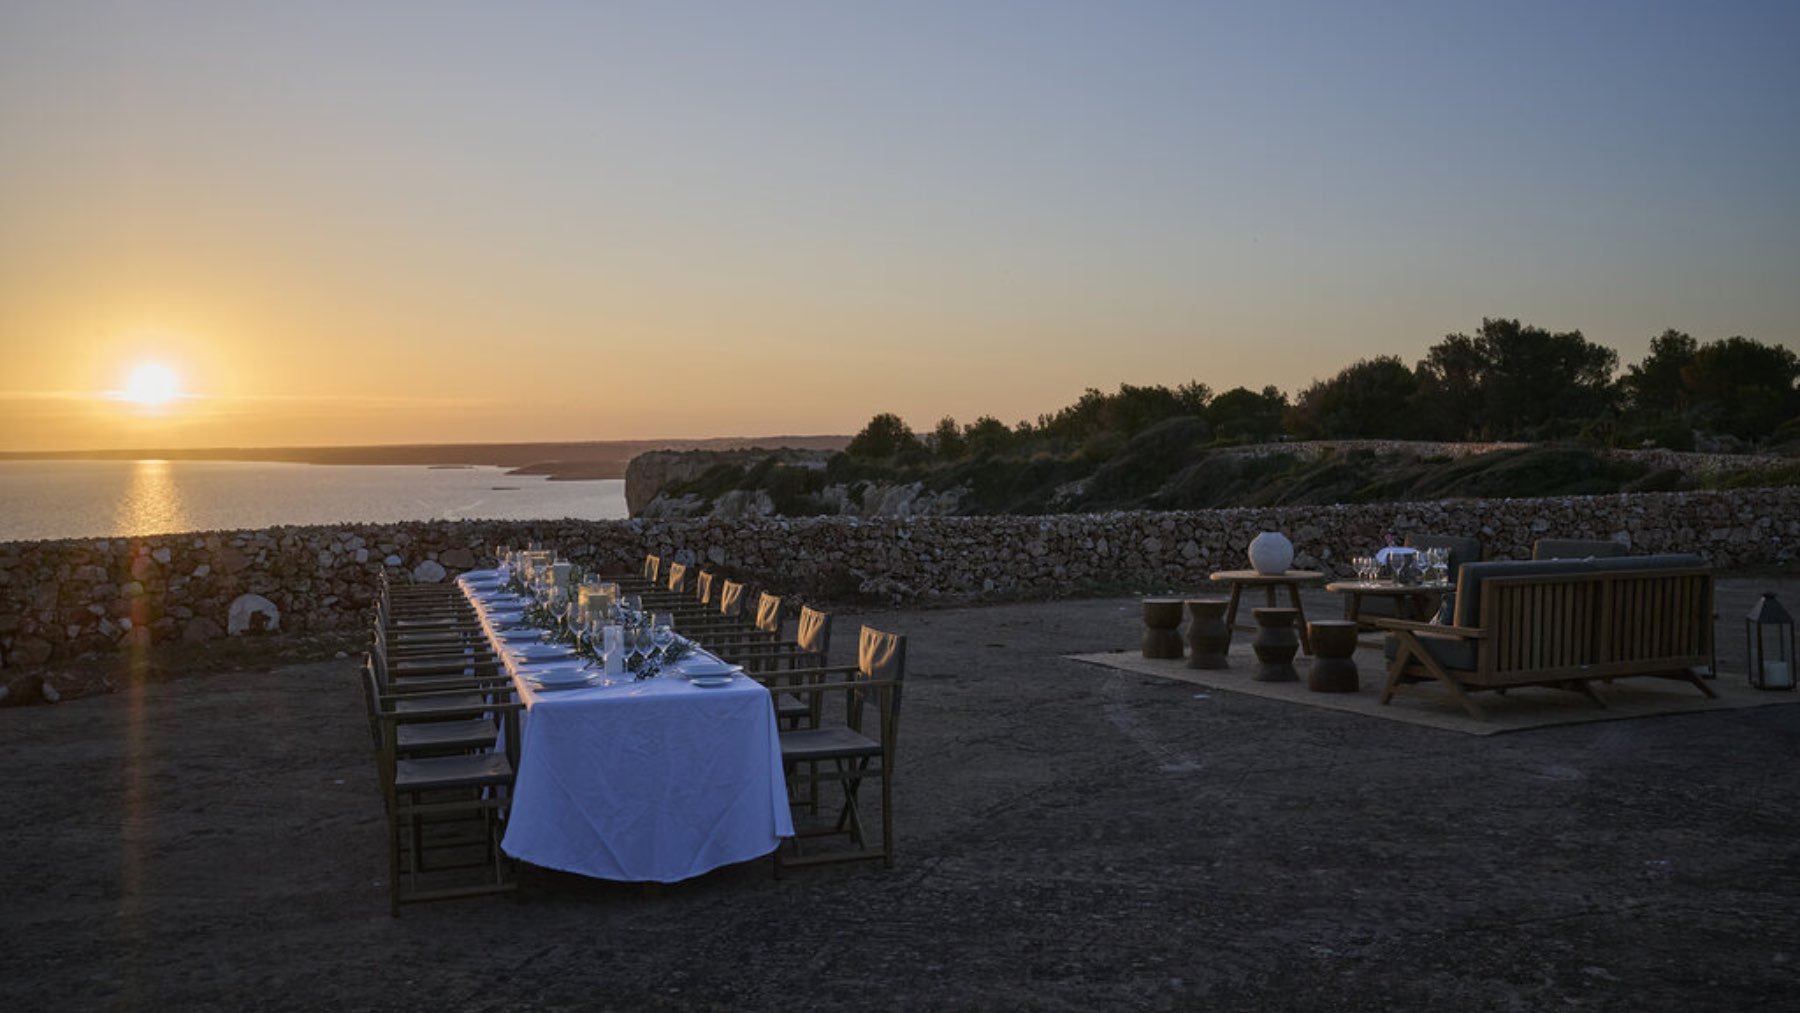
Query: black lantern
1769, 637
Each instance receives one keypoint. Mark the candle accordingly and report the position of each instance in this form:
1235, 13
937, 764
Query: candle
1777, 675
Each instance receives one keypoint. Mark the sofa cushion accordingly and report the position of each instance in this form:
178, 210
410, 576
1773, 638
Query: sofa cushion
1577, 548
1451, 652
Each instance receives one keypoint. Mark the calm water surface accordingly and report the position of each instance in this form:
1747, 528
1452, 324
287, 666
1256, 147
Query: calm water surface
75, 499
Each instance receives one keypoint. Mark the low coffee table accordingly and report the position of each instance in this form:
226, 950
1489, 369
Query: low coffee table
1269, 582
1418, 602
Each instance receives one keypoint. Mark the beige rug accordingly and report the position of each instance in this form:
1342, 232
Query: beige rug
1517, 710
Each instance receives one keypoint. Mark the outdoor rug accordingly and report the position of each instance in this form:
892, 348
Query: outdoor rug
1517, 710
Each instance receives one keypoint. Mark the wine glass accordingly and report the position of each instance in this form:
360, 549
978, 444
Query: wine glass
662, 633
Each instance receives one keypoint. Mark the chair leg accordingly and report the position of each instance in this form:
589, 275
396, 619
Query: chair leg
393, 835
887, 818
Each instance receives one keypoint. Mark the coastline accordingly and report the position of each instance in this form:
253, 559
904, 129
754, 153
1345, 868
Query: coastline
558, 461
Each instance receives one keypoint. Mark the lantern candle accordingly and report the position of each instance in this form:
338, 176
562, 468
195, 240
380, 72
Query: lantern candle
1777, 675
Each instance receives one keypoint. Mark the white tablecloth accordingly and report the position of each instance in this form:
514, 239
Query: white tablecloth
657, 780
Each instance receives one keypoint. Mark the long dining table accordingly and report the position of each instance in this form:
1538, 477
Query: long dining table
654, 780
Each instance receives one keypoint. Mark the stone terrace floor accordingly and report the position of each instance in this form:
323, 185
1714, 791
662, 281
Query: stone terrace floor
1072, 838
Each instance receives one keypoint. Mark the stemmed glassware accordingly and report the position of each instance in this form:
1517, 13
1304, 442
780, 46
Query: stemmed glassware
1437, 560
662, 633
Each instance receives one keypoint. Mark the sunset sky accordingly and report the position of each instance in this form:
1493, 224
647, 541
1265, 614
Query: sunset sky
380, 222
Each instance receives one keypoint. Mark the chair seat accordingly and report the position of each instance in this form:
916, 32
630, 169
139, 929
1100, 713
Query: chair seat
788, 706
1454, 653
468, 734
430, 773
827, 744
458, 702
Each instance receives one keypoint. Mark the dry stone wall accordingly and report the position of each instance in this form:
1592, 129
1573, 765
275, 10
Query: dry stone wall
66, 598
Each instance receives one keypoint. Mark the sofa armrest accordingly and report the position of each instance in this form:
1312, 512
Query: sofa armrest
1463, 632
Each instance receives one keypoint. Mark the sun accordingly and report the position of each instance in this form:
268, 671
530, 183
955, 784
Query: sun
151, 385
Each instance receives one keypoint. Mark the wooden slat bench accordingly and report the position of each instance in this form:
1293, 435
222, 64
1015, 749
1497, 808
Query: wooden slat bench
1565, 624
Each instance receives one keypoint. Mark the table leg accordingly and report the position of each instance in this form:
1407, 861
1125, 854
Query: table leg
1294, 599
1231, 613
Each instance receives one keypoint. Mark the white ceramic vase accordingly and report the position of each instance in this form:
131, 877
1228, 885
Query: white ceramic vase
1271, 553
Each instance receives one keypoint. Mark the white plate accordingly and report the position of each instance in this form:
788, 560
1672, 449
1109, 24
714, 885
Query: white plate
561, 676
551, 687
692, 667
541, 652
711, 681
526, 634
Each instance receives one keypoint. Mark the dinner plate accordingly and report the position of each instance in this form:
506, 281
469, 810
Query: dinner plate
527, 634
560, 676
540, 652
551, 687
695, 667
710, 681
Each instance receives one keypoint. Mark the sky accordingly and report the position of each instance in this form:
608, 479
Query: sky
388, 222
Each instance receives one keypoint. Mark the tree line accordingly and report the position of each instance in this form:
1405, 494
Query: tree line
1507, 381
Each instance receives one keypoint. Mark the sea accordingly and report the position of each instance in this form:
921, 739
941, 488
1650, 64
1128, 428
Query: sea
48, 499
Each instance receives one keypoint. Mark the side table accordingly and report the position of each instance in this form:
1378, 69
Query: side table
1269, 582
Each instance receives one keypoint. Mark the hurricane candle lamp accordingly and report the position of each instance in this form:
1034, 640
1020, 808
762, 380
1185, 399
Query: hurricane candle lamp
1769, 644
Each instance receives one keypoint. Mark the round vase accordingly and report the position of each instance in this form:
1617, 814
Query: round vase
1271, 553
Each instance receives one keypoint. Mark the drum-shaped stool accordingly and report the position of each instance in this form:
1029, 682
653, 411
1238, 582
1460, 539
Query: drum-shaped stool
1162, 627
1277, 641
1334, 657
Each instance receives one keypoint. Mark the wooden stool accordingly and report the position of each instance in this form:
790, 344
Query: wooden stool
1162, 625
1277, 641
1334, 657
1208, 637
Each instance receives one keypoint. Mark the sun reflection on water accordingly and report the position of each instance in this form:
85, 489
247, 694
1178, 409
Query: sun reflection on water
152, 502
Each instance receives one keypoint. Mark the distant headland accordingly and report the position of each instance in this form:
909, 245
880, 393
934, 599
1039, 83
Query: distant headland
592, 459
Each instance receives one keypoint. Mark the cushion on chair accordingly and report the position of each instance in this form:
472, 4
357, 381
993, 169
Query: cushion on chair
1577, 548
1454, 653
731, 598
815, 632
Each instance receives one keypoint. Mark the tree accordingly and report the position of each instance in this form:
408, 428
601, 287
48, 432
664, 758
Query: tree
1369, 399
887, 435
1514, 381
1654, 386
1126, 413
947, 440
1243, 414
1737, 386
986, 437
1742, 387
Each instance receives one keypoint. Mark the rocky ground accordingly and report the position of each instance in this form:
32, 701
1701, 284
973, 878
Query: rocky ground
1071, 838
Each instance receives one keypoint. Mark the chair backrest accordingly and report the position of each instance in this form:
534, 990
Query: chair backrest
1462, 550
814, 636
703, 587
652, 567
731, 598
768, 613
678, 577
878, 656
1470, 577
1577, 548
